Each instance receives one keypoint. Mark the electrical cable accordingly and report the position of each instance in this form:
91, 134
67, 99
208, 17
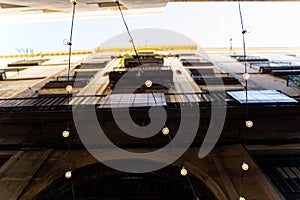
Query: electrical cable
192, 188
246, 82
244, 54
244, 43
136, 53
70, 41
68, 97
241, 184
134, 47
70, 168
130, 36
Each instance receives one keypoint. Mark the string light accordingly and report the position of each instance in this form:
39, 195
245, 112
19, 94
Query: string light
246, 76
69, 88
66, 134
183, 171
68, 174
249, 123
245, 166
148, 83
165, 131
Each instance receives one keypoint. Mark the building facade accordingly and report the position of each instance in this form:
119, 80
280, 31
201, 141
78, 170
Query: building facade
47, 128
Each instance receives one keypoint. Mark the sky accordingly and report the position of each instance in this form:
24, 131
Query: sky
209, 24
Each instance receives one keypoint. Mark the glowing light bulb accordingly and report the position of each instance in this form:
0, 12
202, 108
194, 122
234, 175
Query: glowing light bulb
148, 83
183, 171
245, 166
242, 198
246, 76
68, 174
165, 131
65, 134
249, 123
69, 88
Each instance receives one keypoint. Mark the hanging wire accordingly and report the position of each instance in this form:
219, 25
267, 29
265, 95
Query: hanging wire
130, 36
171, 141
246, 83
192, 187
70, 168
153, 96
137, 55
243, 32
244, 46
68, 97
244, 55
241, 184
70, 41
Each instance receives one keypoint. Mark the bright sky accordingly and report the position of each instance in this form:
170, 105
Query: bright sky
273, 24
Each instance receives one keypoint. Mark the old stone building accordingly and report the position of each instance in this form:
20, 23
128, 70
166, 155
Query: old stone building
34, 113
150, 122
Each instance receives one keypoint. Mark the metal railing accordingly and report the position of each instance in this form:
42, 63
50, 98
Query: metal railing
98, 100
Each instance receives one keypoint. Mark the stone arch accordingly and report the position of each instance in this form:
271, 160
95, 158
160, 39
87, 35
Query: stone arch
56, 175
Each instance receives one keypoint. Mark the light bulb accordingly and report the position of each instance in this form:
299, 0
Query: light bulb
248, 29
245, 166
66, 42
246, 76
65, 134
68, 174
242, 198
183, 171
148, 83
249, 123
69, 88
165, 131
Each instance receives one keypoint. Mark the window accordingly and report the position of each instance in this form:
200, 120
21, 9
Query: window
284, 172
261, 96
